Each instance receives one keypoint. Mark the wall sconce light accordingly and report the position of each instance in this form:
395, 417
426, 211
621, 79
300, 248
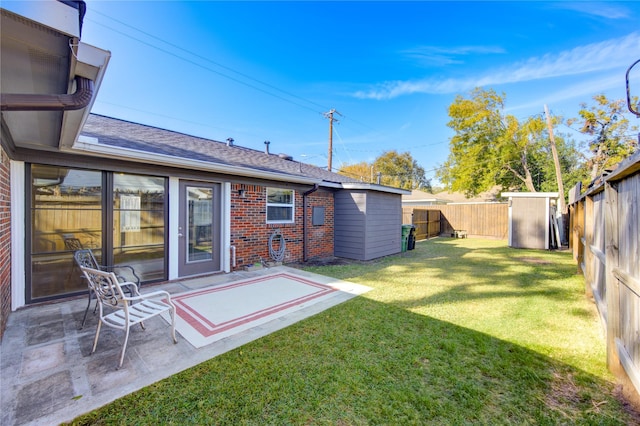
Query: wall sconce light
242, 193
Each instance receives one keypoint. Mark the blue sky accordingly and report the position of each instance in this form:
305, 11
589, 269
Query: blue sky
257, 71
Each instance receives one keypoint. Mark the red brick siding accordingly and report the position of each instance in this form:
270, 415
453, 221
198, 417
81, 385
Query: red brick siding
5, 240
250, 233
320, 238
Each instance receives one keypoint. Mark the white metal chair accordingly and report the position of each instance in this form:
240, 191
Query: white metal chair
123, 312
85, 257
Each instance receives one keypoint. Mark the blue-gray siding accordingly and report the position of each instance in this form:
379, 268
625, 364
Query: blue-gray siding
368, 224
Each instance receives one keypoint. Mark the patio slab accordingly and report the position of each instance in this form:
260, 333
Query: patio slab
47, 375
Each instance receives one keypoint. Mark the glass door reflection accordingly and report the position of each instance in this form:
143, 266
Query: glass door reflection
200, 216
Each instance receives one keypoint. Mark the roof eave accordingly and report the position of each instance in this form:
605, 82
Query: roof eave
374, 187
91, 146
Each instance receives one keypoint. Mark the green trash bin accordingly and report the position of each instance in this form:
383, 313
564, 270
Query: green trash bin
406, 229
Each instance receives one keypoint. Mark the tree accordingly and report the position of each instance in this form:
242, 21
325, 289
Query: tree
614, 138
492, 148
400, 170
361, 170
394, 169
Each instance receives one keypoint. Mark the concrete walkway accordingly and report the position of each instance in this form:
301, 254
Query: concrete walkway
48, 376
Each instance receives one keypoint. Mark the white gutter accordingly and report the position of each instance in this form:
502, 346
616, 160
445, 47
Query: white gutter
373, 187
90, 146
90, 62
530, 194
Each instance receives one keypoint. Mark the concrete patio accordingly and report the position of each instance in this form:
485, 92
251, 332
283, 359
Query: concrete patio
48, 375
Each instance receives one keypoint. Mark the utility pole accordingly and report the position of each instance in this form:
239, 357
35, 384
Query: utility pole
556, 161
329, 115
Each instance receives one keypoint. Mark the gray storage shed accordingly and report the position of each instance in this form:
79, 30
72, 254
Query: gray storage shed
368, 222
530, 219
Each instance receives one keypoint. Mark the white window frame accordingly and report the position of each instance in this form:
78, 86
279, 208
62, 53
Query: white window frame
291, 205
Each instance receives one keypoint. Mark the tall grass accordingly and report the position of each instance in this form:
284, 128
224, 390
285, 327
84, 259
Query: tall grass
454, 332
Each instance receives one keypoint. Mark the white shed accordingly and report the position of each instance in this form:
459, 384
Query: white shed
532, 219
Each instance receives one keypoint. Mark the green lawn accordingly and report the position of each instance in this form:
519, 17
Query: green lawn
455, 332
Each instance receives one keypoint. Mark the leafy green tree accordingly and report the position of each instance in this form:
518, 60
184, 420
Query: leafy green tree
572, 165
395, 169
493, 148
400, 170
361, 170
614, 138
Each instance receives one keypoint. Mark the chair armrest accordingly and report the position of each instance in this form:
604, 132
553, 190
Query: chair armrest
130, 285
152, 295
132, 289
112, 268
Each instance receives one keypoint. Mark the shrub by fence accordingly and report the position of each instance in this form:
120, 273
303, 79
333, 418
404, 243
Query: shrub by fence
605, 225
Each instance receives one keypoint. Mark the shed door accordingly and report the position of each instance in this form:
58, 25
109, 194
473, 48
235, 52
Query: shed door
199, 228
530, 222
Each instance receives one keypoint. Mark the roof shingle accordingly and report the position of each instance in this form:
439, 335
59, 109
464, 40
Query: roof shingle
153, 140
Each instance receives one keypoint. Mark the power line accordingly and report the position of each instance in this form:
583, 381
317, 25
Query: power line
212, 70
227, 68
167, 116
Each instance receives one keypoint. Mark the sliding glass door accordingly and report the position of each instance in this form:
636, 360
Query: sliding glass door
69, 211
66, 215
139, 224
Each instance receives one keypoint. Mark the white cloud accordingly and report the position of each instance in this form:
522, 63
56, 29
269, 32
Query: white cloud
602, 56
599, 9
581, 91
439, 56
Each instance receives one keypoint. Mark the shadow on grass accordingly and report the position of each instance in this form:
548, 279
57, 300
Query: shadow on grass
367, 362
457, 272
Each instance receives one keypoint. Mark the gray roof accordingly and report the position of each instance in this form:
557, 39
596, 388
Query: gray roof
120, 133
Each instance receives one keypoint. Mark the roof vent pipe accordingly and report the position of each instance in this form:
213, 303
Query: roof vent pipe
266, 147
36, 102
229, 141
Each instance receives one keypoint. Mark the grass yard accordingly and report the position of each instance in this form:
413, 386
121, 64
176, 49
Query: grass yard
455, 332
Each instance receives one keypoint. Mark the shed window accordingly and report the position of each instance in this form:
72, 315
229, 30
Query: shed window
280, 205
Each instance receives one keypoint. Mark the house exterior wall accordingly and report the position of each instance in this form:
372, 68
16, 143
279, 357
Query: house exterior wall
5, 240
384, 225
250, 233
320, 237
368, 224
350, 224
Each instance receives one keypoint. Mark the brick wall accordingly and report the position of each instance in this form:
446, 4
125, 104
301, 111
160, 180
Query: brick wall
320, 238
250, 233
5, 241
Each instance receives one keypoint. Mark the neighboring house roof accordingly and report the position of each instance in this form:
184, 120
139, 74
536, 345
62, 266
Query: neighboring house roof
492, 195
205, 154
421, 198
418, 197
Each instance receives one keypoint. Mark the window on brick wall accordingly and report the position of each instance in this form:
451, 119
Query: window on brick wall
280, 205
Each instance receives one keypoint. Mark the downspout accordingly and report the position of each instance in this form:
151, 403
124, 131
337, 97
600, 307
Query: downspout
304, 220
34, 102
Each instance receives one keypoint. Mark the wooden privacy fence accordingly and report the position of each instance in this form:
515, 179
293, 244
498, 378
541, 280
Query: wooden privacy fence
478, 219
605, 226
427, 222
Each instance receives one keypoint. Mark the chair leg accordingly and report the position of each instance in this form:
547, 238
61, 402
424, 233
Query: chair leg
173, 325
86, 311
95, 340
124, 347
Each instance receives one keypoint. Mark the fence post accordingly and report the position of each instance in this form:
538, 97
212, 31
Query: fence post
588, 241
612, 236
